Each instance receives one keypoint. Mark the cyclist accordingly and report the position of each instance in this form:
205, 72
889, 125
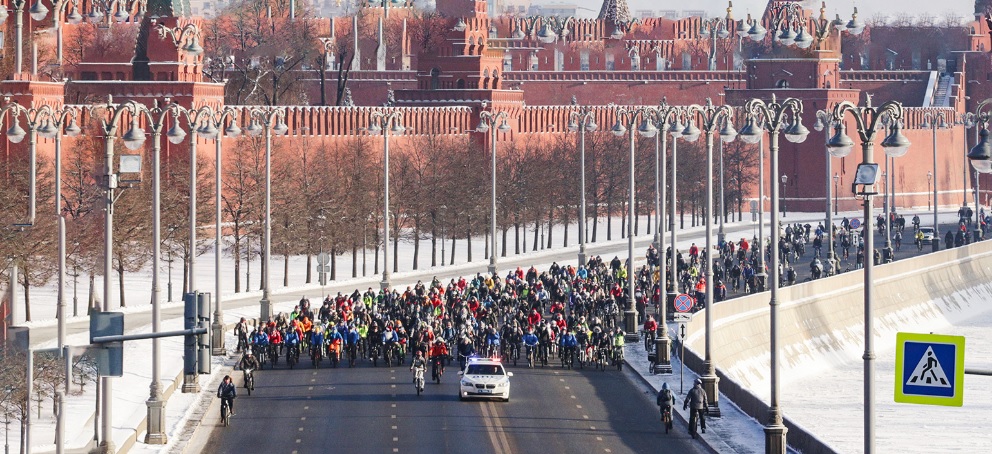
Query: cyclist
316, 342
568, 344
227, 392
650, 327
618, 343
696, 398
437, 354
260, 341
530, 342
247, 364
465, 349
666, 402
919, 239
292, 344
492, 341
418, 365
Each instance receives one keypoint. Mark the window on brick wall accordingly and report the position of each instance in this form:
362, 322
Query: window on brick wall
686, 61
610, 65
584, 60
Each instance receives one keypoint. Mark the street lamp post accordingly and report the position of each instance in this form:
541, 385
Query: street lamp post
582, 120
156, 118
215, 129
751, 123
895, 144
269, 120
110, 121
196, 119
968, 120
627, 123
823, 123
775, 116
710, 117
933, 122
675, 130
981, 154
667, 116
487, 124
385, 123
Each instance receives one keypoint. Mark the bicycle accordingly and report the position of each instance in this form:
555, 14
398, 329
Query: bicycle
530, 356
437, 368
666, 419
515, 352
225, 413
249, 380
274, 354
649, 338
316, 355
418, 379
568, 358
618, 357
292, 355
334, 353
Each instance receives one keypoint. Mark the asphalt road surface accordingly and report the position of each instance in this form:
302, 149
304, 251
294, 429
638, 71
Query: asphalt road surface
377, 410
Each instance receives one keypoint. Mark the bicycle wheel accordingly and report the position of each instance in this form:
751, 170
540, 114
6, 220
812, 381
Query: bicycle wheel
224, 418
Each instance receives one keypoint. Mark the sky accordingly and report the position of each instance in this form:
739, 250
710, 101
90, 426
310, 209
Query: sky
866, 8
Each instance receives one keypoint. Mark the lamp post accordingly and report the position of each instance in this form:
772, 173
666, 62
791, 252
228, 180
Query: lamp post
111, 117
710, 117
666, 117
582, 120
216, 126
981, 154
627, 123
197, 120
385, 122
775, 116
968, 120
717, 27
156, 119
823, 122
487, 124
270, 120
675, 130
756, 124
934, 121
866, 120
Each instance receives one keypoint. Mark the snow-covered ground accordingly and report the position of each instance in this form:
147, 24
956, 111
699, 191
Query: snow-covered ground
826, 400
827, 395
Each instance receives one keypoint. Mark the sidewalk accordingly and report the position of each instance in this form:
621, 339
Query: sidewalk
732, 432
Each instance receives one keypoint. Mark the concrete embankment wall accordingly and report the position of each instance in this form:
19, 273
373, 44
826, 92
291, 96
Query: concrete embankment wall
823, 321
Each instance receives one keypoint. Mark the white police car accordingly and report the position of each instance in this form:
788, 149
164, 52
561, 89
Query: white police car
484, 378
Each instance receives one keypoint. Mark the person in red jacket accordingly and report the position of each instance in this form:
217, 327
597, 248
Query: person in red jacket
650, 325
534, 318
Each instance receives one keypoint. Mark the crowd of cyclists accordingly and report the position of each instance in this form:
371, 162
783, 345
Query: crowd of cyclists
567, 315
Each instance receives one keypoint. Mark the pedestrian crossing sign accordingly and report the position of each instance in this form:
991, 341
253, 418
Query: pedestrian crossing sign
929, 369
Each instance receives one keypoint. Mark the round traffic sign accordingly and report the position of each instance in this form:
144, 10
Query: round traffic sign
683, 302
855, 223
323, 258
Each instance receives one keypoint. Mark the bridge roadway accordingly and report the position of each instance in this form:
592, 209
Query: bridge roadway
377, 410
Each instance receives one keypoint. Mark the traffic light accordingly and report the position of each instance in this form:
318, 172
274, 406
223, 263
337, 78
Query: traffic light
203, 319
196, 353
189, 322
